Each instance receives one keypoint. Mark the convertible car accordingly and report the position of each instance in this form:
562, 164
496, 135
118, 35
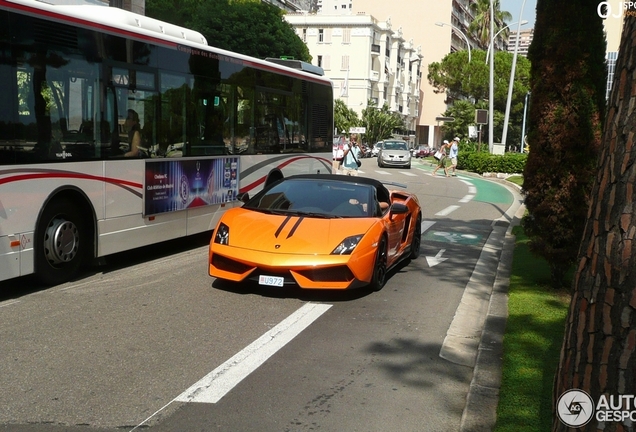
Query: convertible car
317, 232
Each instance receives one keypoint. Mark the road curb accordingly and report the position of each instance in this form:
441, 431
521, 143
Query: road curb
480, 412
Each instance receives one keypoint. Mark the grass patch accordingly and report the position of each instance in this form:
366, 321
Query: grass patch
516, 179
532, 343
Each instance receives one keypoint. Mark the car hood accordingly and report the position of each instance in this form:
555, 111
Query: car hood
396, 153
291, 234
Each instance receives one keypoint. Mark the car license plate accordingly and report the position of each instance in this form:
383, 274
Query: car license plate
271, 280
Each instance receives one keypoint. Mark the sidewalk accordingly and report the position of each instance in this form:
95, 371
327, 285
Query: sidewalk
475, 337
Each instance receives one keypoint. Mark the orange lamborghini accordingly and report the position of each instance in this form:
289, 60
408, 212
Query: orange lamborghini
318, 232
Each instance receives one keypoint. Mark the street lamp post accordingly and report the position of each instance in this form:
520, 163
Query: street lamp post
441, 24
524, 22
523, 127
491, 98
512, 78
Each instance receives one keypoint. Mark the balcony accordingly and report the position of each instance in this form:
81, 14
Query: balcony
375, 76
375, 49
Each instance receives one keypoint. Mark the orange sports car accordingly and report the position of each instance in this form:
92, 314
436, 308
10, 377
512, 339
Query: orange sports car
318, 232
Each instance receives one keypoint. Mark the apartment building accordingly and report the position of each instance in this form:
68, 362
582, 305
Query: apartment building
613, 28
418, 19
525, 39
367, 59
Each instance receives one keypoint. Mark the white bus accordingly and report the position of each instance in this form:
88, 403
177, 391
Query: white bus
119, 131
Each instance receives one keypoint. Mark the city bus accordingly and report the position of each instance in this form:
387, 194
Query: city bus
119, 131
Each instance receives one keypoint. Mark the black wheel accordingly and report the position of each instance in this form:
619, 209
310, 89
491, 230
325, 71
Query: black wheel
379, 268
61, 242
416, 243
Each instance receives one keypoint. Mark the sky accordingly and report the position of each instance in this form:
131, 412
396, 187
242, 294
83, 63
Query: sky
514, 7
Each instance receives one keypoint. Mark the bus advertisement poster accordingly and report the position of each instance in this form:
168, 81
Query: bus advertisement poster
173, 185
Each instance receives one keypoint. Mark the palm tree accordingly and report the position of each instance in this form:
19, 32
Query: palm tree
481, 23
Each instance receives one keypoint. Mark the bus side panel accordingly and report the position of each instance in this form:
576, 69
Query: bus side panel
9, 257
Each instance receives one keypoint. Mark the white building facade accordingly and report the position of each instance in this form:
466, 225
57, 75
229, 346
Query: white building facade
367, 60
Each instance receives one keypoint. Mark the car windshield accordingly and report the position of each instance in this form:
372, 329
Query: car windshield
316, 198
394, 145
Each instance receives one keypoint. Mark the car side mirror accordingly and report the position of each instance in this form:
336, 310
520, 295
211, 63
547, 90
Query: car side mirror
243, 197
398, 208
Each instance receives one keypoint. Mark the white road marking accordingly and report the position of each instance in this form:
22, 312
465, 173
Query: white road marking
448, 210
216, 384
426, 225
466, 198
408, 173
382, 172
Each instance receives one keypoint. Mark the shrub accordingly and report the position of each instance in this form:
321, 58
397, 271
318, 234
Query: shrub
480, 162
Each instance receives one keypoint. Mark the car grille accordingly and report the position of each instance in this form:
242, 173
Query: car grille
229, 265
330, 274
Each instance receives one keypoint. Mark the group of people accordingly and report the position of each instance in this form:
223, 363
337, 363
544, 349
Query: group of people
346, 157
453, 150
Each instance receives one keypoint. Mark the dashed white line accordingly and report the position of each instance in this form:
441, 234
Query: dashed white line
220, 381
408, 173
466, 198
382, 172
448, 210
212, 387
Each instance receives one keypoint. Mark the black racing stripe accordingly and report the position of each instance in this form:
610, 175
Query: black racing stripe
293, 230
280, 228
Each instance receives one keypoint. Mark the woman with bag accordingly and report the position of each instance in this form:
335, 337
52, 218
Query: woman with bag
351, 158
442, 158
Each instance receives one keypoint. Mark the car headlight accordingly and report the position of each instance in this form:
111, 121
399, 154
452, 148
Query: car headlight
347, 245
222, 235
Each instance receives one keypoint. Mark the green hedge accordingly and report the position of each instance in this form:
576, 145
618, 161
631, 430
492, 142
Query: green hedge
484, 162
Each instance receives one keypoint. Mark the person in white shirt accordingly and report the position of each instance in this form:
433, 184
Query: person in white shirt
351, 156
452, 154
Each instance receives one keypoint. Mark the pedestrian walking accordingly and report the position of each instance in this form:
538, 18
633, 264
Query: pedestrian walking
441, 162
452, 154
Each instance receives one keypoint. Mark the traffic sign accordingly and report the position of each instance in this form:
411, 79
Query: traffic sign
358, 130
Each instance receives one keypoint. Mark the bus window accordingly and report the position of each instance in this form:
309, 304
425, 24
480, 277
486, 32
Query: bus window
205, 138
135, 99
174, 94
244, 129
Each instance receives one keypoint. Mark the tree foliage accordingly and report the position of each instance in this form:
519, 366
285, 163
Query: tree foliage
598, 354
470, 82
249, 27
565, 116
380, 123
344, 117
480, 26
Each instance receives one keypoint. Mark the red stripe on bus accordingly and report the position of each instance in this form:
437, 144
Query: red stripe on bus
23, 177
261, 180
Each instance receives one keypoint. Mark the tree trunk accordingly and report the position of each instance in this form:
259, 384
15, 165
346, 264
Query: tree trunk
598, 352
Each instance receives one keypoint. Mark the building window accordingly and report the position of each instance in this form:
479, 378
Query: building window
319, 59
304, 35
321, 35
344, 65
346, 36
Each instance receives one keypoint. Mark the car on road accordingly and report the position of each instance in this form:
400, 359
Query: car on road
394, 153
422, 151
317, 232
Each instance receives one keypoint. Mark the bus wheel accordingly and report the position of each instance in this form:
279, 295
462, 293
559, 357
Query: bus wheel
60, 242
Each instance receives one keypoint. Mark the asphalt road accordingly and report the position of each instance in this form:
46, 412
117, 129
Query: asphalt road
148, 340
